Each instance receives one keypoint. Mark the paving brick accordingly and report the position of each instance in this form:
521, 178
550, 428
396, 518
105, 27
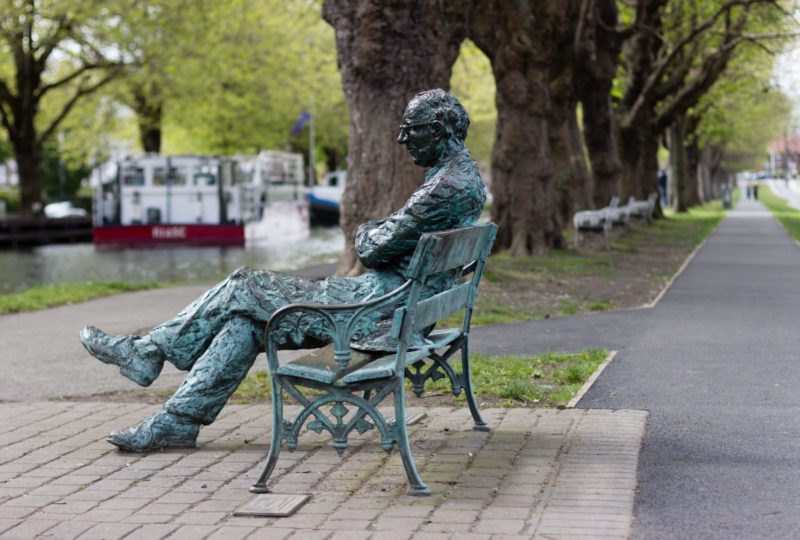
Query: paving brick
231, 533
108, 531
191, 532
500, 526
201, 518
351, 535
68, 530
30, 528
152, 532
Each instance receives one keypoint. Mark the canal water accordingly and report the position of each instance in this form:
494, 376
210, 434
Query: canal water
70, 263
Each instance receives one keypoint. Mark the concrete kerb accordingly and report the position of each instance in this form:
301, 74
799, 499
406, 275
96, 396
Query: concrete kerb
590, 381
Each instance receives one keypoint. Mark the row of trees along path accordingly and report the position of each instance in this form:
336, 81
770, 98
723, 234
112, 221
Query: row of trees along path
548, 58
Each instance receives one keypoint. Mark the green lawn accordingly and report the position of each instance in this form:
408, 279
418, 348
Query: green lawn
547, 380
45, 296
788, 216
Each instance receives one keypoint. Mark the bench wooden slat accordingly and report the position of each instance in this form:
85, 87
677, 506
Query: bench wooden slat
453, 249
439, 306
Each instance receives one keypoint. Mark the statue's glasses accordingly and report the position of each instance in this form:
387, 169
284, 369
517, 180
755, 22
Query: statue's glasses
405, 129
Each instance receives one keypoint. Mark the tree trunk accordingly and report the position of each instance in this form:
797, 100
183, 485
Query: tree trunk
149, 111
694, 189
678, 164
28, 156
387, 51
525, 203
599, 45
640, 160
600, 136
571, 176
572, 180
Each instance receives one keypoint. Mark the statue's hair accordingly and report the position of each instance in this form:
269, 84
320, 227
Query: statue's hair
446, 109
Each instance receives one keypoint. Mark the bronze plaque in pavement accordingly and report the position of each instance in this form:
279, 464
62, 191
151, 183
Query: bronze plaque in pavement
272, 505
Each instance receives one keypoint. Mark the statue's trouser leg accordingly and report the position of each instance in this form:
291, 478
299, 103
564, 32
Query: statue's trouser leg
245, 293
218, 372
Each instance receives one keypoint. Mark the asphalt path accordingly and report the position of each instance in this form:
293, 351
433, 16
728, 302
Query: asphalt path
716, 365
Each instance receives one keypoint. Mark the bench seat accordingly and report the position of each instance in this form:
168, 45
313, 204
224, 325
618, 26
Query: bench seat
320, 365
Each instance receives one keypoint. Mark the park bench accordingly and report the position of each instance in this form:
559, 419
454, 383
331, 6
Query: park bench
591, 221
618, 215
596, 221
643, 209
339, 375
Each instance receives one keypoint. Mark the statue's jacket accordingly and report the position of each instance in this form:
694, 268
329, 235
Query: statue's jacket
452, 196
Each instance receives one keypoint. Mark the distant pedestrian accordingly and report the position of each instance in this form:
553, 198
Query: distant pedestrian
749, 191
755, 191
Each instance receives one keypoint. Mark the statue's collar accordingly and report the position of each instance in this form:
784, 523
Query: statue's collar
445, 163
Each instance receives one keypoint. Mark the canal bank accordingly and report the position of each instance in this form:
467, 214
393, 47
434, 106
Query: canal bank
81, 262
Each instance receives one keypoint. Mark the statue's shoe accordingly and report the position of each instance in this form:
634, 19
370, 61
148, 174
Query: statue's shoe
161, 430
138, 359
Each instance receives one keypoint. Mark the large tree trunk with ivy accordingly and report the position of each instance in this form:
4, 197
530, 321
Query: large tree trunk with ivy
387, 51
525, 203
599, 42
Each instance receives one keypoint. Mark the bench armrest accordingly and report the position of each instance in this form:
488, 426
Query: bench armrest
339, 322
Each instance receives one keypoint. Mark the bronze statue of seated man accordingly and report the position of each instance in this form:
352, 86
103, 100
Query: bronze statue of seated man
218, 336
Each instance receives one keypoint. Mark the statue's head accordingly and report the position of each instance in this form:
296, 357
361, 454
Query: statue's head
433, 124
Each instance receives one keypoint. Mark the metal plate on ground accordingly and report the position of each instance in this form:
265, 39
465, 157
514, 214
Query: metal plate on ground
272, 505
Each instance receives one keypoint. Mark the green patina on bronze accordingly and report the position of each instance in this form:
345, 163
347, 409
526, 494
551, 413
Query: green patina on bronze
217, 337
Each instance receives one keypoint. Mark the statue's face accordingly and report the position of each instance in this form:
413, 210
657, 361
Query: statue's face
420, 132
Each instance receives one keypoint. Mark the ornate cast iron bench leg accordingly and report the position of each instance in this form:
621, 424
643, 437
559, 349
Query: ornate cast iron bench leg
277, 437
417, 486
480, 423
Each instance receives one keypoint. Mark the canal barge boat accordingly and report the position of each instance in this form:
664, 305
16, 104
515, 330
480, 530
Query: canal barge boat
202, 201
325, 199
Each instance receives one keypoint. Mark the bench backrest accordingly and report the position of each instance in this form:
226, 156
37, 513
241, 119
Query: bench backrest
461, 250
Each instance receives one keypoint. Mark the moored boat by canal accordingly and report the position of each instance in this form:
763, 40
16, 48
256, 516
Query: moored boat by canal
201, 200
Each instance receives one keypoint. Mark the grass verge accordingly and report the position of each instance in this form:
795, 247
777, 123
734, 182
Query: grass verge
789, 217
46, 296
589, 279
547, 380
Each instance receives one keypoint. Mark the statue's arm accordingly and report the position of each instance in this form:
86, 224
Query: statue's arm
379, 243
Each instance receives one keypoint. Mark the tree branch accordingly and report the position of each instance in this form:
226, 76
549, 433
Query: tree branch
648, 91
79, 93
72, 76
49, 45
5, 94
6, 121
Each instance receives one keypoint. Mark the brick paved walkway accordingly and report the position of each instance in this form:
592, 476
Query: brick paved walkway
538, 474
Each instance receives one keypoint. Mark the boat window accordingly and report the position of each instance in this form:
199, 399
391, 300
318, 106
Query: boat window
132, 176
205, 179
175, 177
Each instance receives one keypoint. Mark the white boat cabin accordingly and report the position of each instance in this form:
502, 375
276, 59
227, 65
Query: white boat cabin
152, 190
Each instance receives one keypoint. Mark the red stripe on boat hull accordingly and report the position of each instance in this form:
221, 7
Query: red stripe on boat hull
168, 235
